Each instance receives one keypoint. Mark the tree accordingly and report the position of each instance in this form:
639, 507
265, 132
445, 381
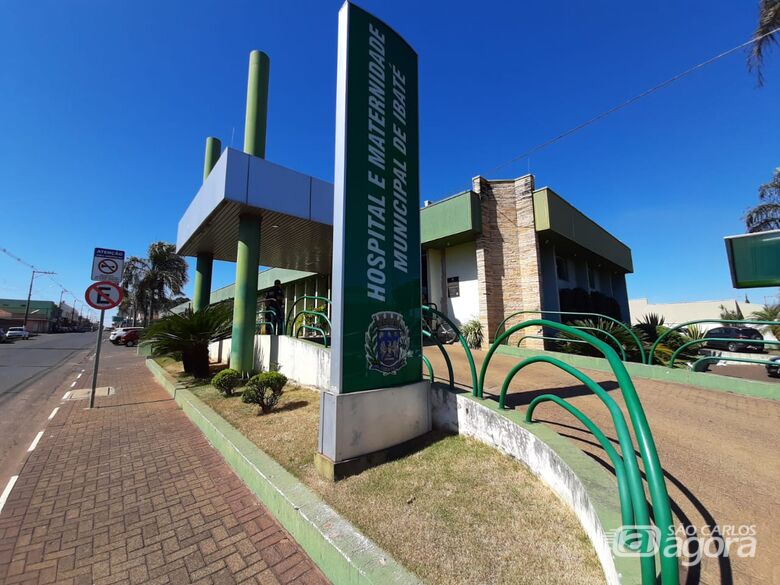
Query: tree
768, 22
769, 313
766, 215
151, 283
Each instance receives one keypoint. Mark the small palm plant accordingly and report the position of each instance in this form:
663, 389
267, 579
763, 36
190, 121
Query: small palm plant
472, 331
605, 330
188, 334
769, 313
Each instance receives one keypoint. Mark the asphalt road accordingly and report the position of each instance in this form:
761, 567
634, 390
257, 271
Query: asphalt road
31, 373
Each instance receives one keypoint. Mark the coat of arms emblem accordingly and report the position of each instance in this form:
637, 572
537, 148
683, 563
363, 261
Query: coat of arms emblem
387, 342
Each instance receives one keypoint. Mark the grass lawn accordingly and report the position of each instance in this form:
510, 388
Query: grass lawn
456, 512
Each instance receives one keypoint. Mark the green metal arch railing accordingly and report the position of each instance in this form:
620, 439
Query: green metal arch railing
714, 358
687, 344
287, 324
319, 314
565, 340
428, 365
451, 374
633, 478
271, 323
463, 342
313, 328
607, 317
645, 441
624, 495
656, 343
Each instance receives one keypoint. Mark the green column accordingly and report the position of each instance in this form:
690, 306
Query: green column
248, 255
202, 296
213, 150
256, 104
245, 303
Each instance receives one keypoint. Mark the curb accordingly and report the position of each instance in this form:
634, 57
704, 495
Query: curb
341, 552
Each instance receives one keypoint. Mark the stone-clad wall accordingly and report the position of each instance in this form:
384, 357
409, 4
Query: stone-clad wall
507, 253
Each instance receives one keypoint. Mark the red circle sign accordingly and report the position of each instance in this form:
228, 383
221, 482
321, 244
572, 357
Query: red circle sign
104, 295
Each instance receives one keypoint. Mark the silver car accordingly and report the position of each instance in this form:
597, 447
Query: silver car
17, 333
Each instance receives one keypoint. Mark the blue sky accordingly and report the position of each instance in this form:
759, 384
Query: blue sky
105, 108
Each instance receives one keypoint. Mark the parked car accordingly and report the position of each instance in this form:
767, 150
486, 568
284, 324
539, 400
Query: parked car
129, 338
3, 338
773, 369
116, 333
17, 333
741, 336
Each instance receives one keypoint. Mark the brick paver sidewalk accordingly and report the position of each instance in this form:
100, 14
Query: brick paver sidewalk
131, 492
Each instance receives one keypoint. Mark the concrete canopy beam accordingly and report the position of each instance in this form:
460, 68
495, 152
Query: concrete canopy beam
296, 213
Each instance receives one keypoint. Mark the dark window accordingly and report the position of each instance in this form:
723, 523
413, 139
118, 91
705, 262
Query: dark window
591, 277
562, 268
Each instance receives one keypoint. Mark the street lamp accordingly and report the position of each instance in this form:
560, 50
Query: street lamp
29, 294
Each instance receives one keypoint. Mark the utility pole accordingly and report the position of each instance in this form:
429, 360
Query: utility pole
29, 294
59, 310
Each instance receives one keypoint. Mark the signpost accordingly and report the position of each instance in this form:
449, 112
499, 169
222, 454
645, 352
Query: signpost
102, 295
108, 265
377, 342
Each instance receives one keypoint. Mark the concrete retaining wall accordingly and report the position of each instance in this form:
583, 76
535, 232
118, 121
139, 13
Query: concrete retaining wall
303, 361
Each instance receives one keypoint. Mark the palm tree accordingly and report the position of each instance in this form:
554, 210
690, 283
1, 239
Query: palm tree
769, 313
768, 23
766, 215
728, 314
151, 282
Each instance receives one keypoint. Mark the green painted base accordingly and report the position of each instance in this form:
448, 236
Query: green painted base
332, 471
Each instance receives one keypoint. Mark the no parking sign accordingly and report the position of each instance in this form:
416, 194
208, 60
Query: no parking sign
103, 295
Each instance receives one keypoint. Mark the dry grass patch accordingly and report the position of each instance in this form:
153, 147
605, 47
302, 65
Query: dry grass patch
456, 512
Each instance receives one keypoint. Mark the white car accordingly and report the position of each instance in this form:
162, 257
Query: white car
119, 331
17, 333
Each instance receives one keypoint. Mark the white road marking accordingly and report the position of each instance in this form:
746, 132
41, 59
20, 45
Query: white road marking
53, 413
7, 491
66, 395
34, 444
74, 383
79, 376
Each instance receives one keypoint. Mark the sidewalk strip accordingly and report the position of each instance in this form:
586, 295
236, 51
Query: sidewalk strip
53, 413
7, 491
66, 395
34, 444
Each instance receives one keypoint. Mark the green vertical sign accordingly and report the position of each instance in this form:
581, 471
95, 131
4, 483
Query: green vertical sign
377, 335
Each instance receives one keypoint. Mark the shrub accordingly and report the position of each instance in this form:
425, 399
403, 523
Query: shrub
472, 331
226, 381
264, 390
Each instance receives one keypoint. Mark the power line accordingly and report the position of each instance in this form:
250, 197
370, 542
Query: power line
36, 269
626, 103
